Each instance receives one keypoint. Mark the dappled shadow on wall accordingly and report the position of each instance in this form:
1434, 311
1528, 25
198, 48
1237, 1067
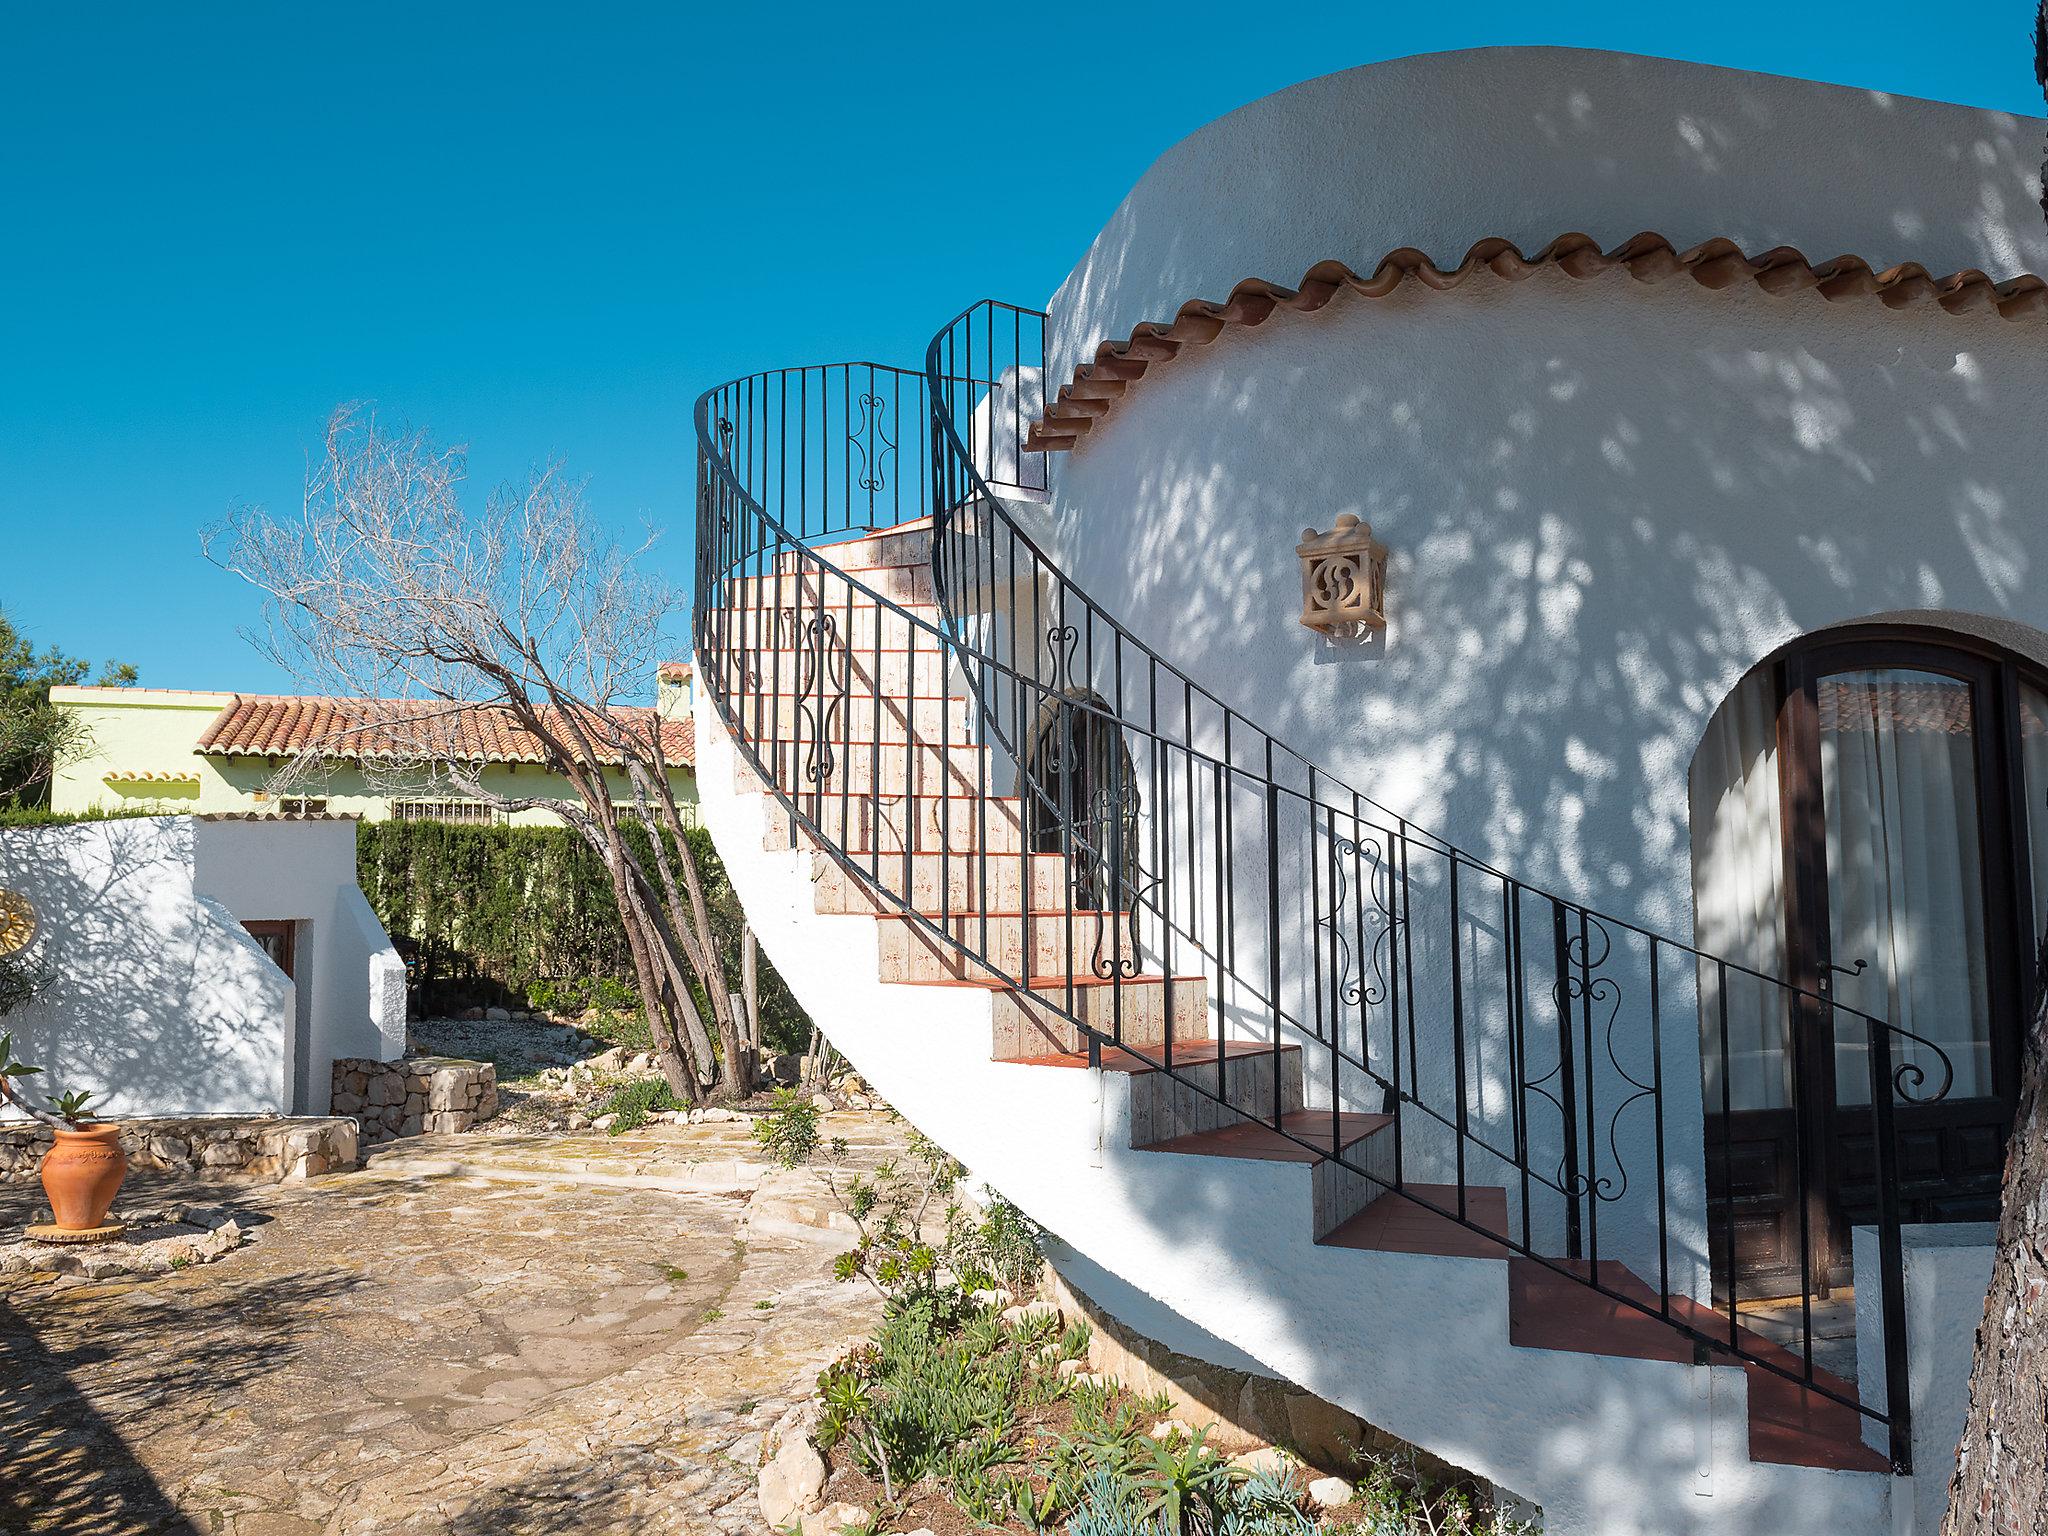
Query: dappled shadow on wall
147, 976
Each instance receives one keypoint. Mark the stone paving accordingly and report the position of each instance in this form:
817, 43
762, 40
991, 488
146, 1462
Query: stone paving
477, 1333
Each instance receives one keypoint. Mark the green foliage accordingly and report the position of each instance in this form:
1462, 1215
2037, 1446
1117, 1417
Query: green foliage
1000, 1247
789, 1131
1184, 1484
936, 1396
529, 910
37, 816
70, 1105
889, 1208
20, 980
34, 733
635, 1101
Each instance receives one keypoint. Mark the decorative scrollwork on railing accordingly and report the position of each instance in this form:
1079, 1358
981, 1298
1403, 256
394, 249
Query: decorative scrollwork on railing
1115, 882
1060, 640
1909, 1076
872, 443
1371, 876
820, 671
1343, 986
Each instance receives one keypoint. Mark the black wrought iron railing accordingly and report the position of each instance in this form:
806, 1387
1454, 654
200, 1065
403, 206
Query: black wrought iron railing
1046, 803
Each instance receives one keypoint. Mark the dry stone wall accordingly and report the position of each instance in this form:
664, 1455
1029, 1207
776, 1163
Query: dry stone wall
286, 1148
413, 1096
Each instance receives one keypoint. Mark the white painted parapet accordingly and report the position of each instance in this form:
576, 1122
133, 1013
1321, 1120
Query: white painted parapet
1948, 1272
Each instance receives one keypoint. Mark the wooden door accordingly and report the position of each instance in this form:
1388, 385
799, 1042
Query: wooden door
1907, 895
279, 941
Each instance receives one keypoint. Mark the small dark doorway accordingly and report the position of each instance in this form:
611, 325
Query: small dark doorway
1082, 801
1911, 814
280, 940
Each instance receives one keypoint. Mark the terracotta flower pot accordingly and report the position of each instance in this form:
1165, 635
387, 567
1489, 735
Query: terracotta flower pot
82, 1173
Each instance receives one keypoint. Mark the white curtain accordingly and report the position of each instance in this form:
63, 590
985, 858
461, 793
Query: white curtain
1738, 864
1905, 882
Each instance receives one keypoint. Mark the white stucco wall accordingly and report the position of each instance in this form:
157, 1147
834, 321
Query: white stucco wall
1947, 1272
351, 977
1442, 150
160, 1002
1605, 500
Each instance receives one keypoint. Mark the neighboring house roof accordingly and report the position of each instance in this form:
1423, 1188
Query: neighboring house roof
265, 725
1099, 383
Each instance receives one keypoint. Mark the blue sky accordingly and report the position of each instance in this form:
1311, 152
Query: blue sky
542, 230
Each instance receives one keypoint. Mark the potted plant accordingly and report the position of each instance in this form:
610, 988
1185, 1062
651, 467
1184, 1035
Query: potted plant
83, 1170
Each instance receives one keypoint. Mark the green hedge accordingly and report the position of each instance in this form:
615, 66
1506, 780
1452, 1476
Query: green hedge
497, 913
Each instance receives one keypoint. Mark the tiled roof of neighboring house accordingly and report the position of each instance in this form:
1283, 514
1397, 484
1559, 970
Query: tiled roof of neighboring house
1099, 383
262, 725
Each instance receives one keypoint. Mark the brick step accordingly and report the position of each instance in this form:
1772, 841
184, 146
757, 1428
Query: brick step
1137, 1060
859, 719
1395, 1224
861, 825
1788, 1424
1135, 1009
1014, 944
910, 544
933, 883
788, 630
899, 583
1261, 1141
909, 768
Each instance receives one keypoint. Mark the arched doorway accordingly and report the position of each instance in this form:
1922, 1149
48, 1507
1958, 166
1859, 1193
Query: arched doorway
1870, 818
1082, 800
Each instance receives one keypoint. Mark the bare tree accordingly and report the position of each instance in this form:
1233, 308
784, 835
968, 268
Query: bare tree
454, 637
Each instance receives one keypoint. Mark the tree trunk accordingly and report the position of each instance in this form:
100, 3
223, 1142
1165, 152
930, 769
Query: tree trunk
750, 983
2001, 1478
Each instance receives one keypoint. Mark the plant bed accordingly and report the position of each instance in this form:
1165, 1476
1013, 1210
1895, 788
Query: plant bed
963, 1416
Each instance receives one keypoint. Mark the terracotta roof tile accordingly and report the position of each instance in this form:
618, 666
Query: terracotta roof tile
1099, 383
260, 725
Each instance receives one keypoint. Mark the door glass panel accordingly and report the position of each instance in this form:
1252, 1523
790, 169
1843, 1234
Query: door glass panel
2034, 751
1898, 757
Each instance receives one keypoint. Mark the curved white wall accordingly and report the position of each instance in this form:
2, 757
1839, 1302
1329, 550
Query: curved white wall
1445, 149
1606, 500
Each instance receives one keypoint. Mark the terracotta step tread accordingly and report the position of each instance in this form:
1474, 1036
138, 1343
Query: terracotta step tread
854, 535
1256, 1139
1395, 1224
1788, 1424
1046, 988
1149, 1058
1052, 914
1059, 983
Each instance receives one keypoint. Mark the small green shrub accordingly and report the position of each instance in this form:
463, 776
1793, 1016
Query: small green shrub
789, 1131
638, 1099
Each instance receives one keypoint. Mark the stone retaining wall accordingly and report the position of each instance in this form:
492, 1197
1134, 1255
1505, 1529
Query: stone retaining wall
1243, 1410
419, 1094
286, 1148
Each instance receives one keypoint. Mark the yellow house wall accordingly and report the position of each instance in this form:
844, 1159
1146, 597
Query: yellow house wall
157, 730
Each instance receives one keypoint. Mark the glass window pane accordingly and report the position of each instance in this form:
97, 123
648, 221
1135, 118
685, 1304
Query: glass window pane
1905, 882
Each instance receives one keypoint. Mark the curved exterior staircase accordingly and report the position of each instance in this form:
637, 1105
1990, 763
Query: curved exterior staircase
1225, 1028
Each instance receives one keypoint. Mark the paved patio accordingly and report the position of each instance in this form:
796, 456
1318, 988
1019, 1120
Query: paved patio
478, 1333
